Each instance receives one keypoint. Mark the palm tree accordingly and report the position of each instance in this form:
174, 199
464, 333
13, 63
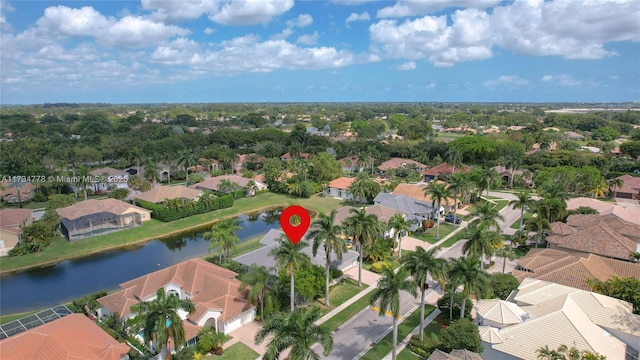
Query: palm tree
614, 185
458, 184
364, 187
289, 257
365, 228
438, 193
297, 331
188, 159
223, 235
422, 264
160, 321
137, 155
523, 201
486, 214
83, 177
325, 232
152, 171
453, 158
538, 224
399, 225
512, 163
388, 295
262, 287
506, 252
467, 272
482, 242
599, 188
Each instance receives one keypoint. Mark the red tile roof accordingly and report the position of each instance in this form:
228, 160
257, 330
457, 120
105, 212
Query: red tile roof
445, 168
395, 163
93, 206
342, 183
73, 337
163, 193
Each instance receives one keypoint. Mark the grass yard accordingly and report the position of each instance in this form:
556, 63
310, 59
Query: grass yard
349, 312
339, 293
61, 249
430, 235
405, 354
516, 224
236, 351
452, 240
381, 349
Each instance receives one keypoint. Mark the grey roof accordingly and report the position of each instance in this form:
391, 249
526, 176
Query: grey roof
403, 203
261, 256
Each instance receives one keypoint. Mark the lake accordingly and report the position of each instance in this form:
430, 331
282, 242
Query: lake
51, 285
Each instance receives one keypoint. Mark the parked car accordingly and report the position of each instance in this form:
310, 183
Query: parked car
452, 219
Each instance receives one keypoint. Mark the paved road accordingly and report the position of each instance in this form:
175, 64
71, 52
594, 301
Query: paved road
359, 335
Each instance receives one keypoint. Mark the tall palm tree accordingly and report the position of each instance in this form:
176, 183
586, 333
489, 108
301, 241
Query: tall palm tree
151, 171
422, 264
364, 187
289, 257
262, 287
614, 185
298, 331
486, 214
137, 155
523, 201
438, 193
538, 224
467, 272
223, 235
487, 177
506, 252
399, 224
364, 228
453, 158
512, 163
83, 176
187, 159
160, 321
458, 185
388, 296
325, 232
482, 242
599, 189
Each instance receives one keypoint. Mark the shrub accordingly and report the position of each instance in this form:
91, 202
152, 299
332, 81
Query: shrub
377, 267
500, 286
461, 334
335, 273
167, 214
443, 305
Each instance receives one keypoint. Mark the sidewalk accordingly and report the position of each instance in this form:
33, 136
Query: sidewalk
345, 304
462, 226
404, 342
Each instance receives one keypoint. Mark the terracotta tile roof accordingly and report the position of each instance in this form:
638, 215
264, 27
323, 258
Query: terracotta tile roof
109, 171
14, 217
73, 337
210, 287
212, 183
92, 206
445, 168
342, 183
631, 181
26, 190
395, 163
417, 192
162, 193
354, 161
560, 228
454, 355
287, 156
629, 214
572, 269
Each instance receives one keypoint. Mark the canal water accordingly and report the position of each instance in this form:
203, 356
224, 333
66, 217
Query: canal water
51, 285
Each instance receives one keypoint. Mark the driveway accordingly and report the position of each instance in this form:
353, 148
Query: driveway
368, 277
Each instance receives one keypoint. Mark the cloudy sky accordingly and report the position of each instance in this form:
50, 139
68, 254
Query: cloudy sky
334, 50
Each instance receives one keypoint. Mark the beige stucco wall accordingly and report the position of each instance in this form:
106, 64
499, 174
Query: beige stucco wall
145, 215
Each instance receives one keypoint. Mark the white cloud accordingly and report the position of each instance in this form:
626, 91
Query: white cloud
358, 17
63, 20
430, 86
301, 21
5, 7
309, 39
351, 2
404, 8
250, 12
561, 80
506, 81
209, 31
174, 11
411, 65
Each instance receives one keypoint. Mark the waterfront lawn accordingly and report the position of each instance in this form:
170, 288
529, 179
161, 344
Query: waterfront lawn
381, 349
339, 293
60, 249
236, 351
350, 311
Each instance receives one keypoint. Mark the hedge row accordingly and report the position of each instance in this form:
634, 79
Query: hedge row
165, 214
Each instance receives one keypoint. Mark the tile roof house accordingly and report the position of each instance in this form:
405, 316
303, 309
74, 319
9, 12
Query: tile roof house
602, 235
12, 221
72, 337
630, 188
213, 183
416, 210
160, 194
261, 256
110, 178
572, 135
395, 163
14, 193
629, 214
548, 314
442, 169
572, 268
353, 164
288, 156
339, 188
213, 290
418, 192
383, 214
454, 355
95, 217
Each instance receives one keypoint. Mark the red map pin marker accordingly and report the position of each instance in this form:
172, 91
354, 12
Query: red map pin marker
295, 232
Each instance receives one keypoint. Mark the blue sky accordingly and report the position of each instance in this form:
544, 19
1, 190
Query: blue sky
152, 51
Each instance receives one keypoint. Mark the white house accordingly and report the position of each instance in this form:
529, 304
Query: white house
339, 188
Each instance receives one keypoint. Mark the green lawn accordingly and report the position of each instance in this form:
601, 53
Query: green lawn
502, 204
454, 239
382, 348
516, 224
236, 351
153, 229
405, 354
349, 312
430, 235
339, 293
